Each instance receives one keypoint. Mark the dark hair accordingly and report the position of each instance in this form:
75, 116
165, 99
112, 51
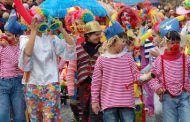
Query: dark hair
129, 38
123, 35
87, 35
173, 36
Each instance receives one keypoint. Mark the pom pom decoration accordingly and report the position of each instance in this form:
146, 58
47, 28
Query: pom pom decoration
76, 19
87, 16
186, 4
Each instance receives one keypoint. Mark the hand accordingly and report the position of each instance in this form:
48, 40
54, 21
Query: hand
61, 24
154, 53
34, 25
145, 77
136, 53
160, 91
96, 107
4, 43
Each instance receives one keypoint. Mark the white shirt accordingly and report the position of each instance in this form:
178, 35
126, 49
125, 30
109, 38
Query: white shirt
43, 64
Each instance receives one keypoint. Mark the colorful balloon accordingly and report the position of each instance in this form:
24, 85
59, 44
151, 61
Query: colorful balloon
22, 11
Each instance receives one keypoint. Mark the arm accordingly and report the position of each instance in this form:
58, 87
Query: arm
157, 71
30, 44
69, 39
134, 70
72, 68
25, 62
96, 81
62, 49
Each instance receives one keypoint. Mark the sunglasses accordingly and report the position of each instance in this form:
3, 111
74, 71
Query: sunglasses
43, 27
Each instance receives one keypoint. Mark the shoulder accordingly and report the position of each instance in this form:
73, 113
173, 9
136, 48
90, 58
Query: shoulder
23, 40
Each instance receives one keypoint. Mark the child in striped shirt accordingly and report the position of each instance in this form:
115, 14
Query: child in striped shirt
11, 88
112, 82
171, 82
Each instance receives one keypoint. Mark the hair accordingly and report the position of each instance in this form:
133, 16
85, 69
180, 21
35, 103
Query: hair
86, 36
129, 38
122, 35
173, 36
109, 43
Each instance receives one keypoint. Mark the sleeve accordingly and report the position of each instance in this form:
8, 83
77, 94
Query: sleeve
64, 50
135, 71
61, 64
187, 85
96, 81
146, 69
156, 69
72, 68
24, 62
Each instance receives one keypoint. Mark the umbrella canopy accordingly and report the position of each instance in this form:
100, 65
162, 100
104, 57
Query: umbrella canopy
58, 8
133, 2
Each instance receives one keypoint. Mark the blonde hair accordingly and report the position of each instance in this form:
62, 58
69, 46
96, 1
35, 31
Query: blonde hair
108, 43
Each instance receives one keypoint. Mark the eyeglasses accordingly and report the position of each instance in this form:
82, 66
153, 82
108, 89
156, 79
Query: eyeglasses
45, 26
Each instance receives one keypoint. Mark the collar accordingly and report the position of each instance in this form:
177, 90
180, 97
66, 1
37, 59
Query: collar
109, 55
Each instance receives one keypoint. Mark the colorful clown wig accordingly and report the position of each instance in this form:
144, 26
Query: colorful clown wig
76, 19
133, 17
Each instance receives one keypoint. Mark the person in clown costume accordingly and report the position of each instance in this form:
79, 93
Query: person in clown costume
38, 60
87, 54
171, 82
75, 23
185, 32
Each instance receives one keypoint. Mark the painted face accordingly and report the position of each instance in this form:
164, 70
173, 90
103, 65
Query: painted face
125, 18
174, 46
10, 37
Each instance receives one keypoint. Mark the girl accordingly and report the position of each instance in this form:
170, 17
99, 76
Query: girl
11, 88
171, 83
112, 82
38, 59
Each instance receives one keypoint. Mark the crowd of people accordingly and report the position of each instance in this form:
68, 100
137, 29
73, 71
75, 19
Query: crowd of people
127, 66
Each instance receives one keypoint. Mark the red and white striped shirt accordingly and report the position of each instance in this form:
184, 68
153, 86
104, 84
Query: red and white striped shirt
173, 75
9, 62
110, 78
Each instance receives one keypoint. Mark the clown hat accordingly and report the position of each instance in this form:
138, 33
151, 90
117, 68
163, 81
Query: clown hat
168, 25
113, 30
92, 26
182, 11
13, 26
